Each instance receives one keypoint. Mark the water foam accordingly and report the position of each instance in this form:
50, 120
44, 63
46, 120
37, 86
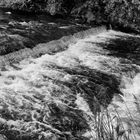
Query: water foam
43, 81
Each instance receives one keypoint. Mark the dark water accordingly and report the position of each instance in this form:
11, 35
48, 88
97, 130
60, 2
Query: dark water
20, 31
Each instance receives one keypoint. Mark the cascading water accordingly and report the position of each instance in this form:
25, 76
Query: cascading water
64, 95
88, 90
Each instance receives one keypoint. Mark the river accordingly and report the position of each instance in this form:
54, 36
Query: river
27, 30
90, 90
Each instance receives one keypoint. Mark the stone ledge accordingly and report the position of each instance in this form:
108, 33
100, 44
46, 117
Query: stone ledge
50, 47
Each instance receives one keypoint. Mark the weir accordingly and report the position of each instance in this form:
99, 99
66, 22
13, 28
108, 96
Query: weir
50, 47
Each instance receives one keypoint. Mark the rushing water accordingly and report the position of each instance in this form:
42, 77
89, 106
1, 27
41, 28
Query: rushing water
58, 96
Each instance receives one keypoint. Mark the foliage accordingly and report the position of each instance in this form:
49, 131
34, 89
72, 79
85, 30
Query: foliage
14, 3
123, 12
